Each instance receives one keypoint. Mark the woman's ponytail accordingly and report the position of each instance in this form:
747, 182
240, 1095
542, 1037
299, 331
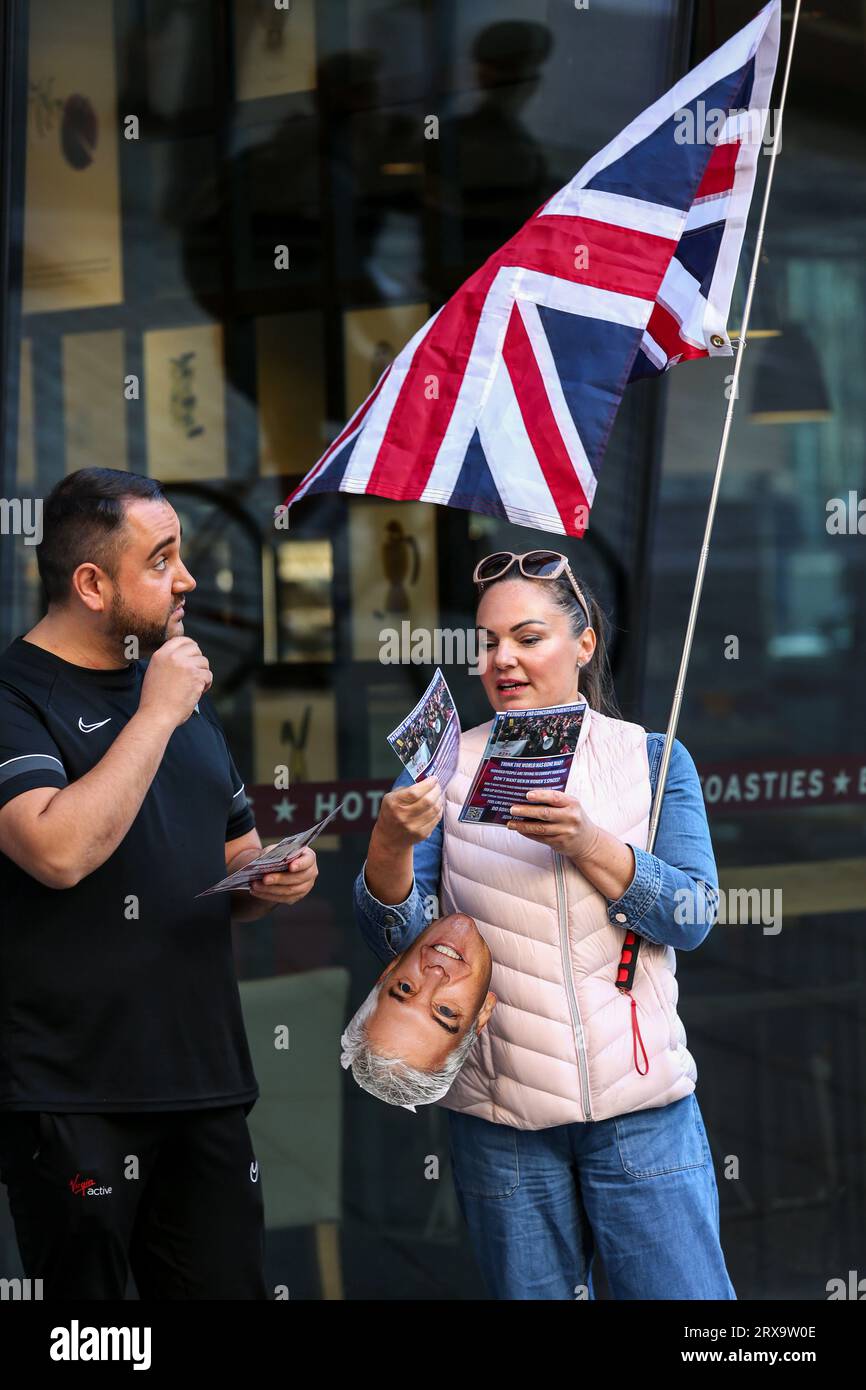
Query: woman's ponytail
596, 679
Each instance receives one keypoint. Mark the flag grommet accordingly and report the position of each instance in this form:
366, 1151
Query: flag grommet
717, 340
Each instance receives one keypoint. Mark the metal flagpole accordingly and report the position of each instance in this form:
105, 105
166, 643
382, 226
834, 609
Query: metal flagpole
723, 447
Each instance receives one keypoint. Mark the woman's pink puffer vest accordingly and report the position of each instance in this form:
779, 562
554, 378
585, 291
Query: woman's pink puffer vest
559, 1046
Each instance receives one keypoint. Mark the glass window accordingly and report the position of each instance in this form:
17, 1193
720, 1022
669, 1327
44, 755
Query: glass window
225, 222
772, 710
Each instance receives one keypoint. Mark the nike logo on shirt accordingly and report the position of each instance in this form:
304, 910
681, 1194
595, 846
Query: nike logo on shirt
88, 728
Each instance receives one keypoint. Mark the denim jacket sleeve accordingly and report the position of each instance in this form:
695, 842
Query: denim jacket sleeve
388, 928
673, 898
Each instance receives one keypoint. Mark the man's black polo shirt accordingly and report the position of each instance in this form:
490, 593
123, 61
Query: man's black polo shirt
119, 993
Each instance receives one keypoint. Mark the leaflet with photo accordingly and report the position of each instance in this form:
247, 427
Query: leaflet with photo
272, 860
428, 740
525, 748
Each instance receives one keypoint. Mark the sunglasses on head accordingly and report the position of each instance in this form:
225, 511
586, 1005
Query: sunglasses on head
533, 564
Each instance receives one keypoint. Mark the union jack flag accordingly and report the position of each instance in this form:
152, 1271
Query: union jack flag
504, 400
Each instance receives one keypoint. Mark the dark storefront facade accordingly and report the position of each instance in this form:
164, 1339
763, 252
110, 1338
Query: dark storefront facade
155, 154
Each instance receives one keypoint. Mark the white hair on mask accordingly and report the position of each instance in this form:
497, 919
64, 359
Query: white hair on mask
390, 1078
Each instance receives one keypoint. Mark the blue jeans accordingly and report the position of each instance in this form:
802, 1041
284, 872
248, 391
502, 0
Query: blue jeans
638, 1188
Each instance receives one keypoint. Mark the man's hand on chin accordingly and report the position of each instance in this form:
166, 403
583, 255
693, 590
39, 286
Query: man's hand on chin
280, 889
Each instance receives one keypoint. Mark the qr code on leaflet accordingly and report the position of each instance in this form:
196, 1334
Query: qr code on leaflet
474, 812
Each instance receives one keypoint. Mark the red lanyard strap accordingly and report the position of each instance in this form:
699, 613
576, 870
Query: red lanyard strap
624, 983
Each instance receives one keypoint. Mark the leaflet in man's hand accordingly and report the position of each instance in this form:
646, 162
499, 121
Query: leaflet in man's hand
273, 860
428, 739
525, 748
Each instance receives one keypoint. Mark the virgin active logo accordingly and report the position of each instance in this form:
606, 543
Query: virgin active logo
86, 1187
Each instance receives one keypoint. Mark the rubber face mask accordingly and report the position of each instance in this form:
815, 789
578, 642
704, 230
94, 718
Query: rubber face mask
409, 1039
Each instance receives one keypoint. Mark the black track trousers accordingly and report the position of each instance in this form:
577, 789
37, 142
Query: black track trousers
175, 1197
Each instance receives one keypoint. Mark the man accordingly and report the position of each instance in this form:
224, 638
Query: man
125, 1076
414, 1031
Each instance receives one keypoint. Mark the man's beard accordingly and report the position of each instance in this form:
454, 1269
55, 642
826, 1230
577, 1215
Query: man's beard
124, 623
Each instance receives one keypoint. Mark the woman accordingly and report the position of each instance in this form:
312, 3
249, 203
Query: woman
574, 1126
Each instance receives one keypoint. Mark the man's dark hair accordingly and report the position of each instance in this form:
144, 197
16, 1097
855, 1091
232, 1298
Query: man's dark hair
84, 518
